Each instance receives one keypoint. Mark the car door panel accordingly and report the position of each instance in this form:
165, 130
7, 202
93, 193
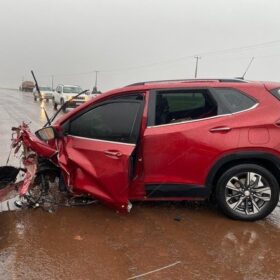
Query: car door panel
181, 153
100, 167
181, 150
95, 171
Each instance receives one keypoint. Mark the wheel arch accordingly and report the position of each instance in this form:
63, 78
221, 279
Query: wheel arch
265, 159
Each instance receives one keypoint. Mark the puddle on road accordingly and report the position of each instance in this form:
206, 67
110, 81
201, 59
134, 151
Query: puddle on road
93, 242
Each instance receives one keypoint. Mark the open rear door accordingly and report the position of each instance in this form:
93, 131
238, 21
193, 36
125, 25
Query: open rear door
98, 150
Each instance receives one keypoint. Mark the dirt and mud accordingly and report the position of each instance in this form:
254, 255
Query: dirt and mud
170, 240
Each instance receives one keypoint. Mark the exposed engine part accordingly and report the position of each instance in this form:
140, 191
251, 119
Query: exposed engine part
47, 196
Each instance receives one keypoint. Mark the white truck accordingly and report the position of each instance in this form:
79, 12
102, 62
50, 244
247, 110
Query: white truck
65, 93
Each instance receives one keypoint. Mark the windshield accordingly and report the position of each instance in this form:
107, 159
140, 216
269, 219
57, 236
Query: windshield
45, 88
72, 90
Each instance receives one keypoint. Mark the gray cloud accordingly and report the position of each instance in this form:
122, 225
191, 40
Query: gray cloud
66, 37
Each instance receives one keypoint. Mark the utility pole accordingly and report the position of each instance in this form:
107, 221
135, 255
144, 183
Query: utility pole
95, 84
196, 65
52, 81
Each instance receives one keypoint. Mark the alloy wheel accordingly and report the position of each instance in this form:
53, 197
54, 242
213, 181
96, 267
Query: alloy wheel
247, 193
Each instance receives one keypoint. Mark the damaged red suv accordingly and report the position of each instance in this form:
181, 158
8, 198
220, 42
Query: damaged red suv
174, 140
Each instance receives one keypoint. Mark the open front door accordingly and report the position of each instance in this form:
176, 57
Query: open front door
98, 149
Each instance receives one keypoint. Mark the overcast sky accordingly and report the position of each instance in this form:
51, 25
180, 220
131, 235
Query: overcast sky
136, 40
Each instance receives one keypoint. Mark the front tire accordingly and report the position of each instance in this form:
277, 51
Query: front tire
247, 192
62, 104
54, 105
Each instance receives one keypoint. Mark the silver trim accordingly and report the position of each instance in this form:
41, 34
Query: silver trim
198, 120
100, 140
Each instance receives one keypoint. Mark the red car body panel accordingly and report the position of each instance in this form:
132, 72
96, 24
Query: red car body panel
35, 144
181, 153
100, 169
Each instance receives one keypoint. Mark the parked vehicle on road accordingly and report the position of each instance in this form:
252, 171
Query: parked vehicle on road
27, 86
167, 140
65, 93
46, 93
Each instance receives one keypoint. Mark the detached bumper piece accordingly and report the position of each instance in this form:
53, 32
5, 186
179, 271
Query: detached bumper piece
8, 192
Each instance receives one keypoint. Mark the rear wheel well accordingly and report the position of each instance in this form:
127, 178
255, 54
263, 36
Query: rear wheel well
269, 165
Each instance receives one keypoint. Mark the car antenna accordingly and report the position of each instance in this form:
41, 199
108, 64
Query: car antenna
38, 89
247, 68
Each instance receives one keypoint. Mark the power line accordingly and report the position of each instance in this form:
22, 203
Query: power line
209, 53
204, 54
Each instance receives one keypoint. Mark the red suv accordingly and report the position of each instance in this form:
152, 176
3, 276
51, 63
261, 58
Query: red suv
176, 140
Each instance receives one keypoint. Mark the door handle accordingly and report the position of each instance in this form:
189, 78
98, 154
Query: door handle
113, 153
220, 129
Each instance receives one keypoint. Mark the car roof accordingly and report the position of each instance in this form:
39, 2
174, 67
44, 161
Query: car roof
185, 83
223, 80
173, 84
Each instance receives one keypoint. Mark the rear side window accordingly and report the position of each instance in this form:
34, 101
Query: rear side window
178, 102
173, 106
231, 100
276, 93
183, 105
118, 121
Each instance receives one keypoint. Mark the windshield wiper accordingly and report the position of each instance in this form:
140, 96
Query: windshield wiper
63, 106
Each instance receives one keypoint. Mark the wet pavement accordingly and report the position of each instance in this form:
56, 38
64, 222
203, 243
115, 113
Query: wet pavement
170, 240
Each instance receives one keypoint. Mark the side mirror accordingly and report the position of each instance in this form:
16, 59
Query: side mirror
46, 133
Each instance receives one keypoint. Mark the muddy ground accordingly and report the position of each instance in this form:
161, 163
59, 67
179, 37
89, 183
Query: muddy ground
93, 242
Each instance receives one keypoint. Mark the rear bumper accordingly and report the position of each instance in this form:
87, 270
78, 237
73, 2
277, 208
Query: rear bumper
46, 96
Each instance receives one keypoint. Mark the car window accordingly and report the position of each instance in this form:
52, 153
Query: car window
183, 105
231, 100
116, 121
276, 92
173, 106
70, 89
134, 96
45, 88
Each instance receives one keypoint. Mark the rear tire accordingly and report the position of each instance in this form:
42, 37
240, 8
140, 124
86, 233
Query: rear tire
247, 192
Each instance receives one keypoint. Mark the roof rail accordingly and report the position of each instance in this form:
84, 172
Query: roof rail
233, 80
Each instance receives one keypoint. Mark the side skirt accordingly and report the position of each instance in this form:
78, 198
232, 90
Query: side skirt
176, 191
